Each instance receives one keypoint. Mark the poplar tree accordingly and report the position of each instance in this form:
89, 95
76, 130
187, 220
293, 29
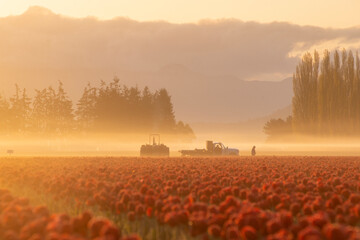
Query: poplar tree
331, 99
305, 98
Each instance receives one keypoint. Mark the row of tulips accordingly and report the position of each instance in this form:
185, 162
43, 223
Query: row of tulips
211, 198
20, 221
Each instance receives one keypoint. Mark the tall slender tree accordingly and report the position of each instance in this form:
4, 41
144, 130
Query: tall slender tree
305, 100
331, 98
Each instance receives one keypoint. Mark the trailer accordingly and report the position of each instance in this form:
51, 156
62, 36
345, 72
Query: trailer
154, 148
212, 149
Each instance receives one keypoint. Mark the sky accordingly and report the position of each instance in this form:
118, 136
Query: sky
260, 41
323, 13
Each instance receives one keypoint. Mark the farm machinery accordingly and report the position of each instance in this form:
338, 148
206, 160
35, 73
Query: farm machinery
154, 148
212, 149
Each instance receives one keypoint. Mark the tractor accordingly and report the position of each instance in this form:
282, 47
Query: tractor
154, 148
212, 149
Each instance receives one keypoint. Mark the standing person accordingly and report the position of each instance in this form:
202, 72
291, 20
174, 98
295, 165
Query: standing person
253, 152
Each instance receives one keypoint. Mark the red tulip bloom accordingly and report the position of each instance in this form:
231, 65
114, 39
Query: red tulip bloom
248, 233
214, 230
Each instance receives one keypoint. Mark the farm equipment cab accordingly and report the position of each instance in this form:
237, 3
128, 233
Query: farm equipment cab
154, 148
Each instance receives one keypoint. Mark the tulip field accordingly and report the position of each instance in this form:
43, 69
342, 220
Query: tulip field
105, 198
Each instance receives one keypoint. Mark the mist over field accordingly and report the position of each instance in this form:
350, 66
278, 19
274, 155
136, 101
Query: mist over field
226, 78
242, 125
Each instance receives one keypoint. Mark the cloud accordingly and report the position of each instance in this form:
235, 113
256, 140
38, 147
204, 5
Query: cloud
39, 48
41, 39
331, 45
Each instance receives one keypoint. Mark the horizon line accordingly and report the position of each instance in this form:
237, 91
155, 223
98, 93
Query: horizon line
200, 21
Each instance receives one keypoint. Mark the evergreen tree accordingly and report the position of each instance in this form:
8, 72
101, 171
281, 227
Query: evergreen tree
39, 113
5, 115
64, 113
52, 111
147, 109
111, 110
111, 107
278, 129
20, 110
164, 113
86, 108
133, 108
185, 129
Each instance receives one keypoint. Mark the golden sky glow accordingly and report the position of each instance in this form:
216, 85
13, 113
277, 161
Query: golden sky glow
325, 13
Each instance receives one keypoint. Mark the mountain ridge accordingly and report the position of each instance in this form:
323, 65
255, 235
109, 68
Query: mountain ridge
205, 66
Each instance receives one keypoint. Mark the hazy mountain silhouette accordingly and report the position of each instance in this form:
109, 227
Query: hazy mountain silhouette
198, 97
203, 65
37, 11
248, 130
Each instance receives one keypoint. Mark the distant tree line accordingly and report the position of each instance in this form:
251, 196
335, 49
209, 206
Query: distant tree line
277, 129
326, 99
110, 108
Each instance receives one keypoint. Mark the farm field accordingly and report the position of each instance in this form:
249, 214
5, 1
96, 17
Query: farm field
107, 198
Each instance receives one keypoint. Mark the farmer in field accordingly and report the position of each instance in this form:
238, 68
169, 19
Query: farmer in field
253, 152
